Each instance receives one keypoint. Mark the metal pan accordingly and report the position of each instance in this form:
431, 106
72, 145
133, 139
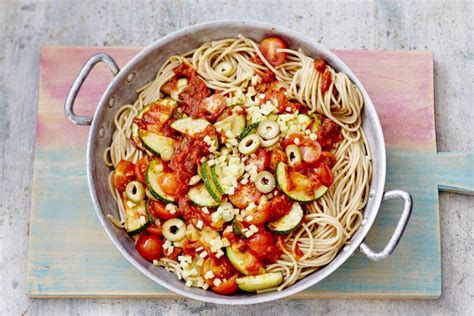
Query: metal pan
142, 69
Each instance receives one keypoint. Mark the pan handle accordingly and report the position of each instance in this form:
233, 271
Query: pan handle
401, 225
78, 82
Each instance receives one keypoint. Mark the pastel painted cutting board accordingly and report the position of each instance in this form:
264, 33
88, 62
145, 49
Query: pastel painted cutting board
71, 256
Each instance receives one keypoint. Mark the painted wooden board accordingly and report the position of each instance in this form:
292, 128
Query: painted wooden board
71, 256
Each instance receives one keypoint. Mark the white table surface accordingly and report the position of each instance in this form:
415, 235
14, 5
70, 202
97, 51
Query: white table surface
445, 28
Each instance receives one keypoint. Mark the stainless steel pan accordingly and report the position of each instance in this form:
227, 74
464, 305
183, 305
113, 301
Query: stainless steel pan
142, 69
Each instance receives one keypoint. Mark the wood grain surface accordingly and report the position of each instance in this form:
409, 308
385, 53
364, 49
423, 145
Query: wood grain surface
444, 27
70, 255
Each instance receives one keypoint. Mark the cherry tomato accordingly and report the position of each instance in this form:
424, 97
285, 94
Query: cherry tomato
320, 65
227, 287
140, 168
150, 247
290, 140
326, 82
155, 230
159, 210
261, 160
124, 173
276, 156
325, 175
328, 158
168, 183
263, 246
174, 254
269, 47
244, 195
189, 247
310, 151
220, 267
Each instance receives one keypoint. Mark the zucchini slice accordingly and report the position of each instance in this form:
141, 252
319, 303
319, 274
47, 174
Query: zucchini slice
209, 183
264, 281
252, 128
289, 222
155, 169
190, 126
234, 123
171, 104
216, 172
242, 260
137, 217
200, 196
155, 142
301, 192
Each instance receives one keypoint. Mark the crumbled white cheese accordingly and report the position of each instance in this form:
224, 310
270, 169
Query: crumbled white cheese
199, 224
189, 283
208, 275
217, 282
205, 210
203, 254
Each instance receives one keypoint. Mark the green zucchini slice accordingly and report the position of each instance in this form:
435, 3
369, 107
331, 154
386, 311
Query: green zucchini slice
201, 197
302, 192
155, 169
264, 281
289, 222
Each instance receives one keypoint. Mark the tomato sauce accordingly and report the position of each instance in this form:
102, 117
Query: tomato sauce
329, 134
194, 92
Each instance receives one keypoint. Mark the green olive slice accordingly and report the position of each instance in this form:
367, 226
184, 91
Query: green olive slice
135, 191
268, 129
293, 153
265, 182
249, 144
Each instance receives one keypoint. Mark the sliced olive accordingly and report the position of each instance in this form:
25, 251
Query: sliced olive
269, 142
225, 68
265, 182
249, 144
268, 129
293, 153
174, 229
135, 191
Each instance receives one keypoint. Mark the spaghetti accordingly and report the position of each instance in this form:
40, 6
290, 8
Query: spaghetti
236, 68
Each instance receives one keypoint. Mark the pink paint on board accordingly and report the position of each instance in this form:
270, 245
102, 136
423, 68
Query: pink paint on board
59, 67
399, 83
401, 86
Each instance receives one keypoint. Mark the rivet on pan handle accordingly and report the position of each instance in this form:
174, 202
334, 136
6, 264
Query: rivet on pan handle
401, 225
77, 84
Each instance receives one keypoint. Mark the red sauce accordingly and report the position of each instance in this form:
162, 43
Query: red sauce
194, 92
267, 75
277, 96
329, 133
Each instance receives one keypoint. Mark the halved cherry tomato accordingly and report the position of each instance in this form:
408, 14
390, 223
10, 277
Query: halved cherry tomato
324, 174
189, 247
140, 168
124, 173
227, 287
168, 183
150, 247
159, 210
155, 230
261, 160
263, 246
220, 267
290, 140
276, 156
310, 151
244, 195
326, 82
269, 47
320, 65
174, 254
276, 208
328, 158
